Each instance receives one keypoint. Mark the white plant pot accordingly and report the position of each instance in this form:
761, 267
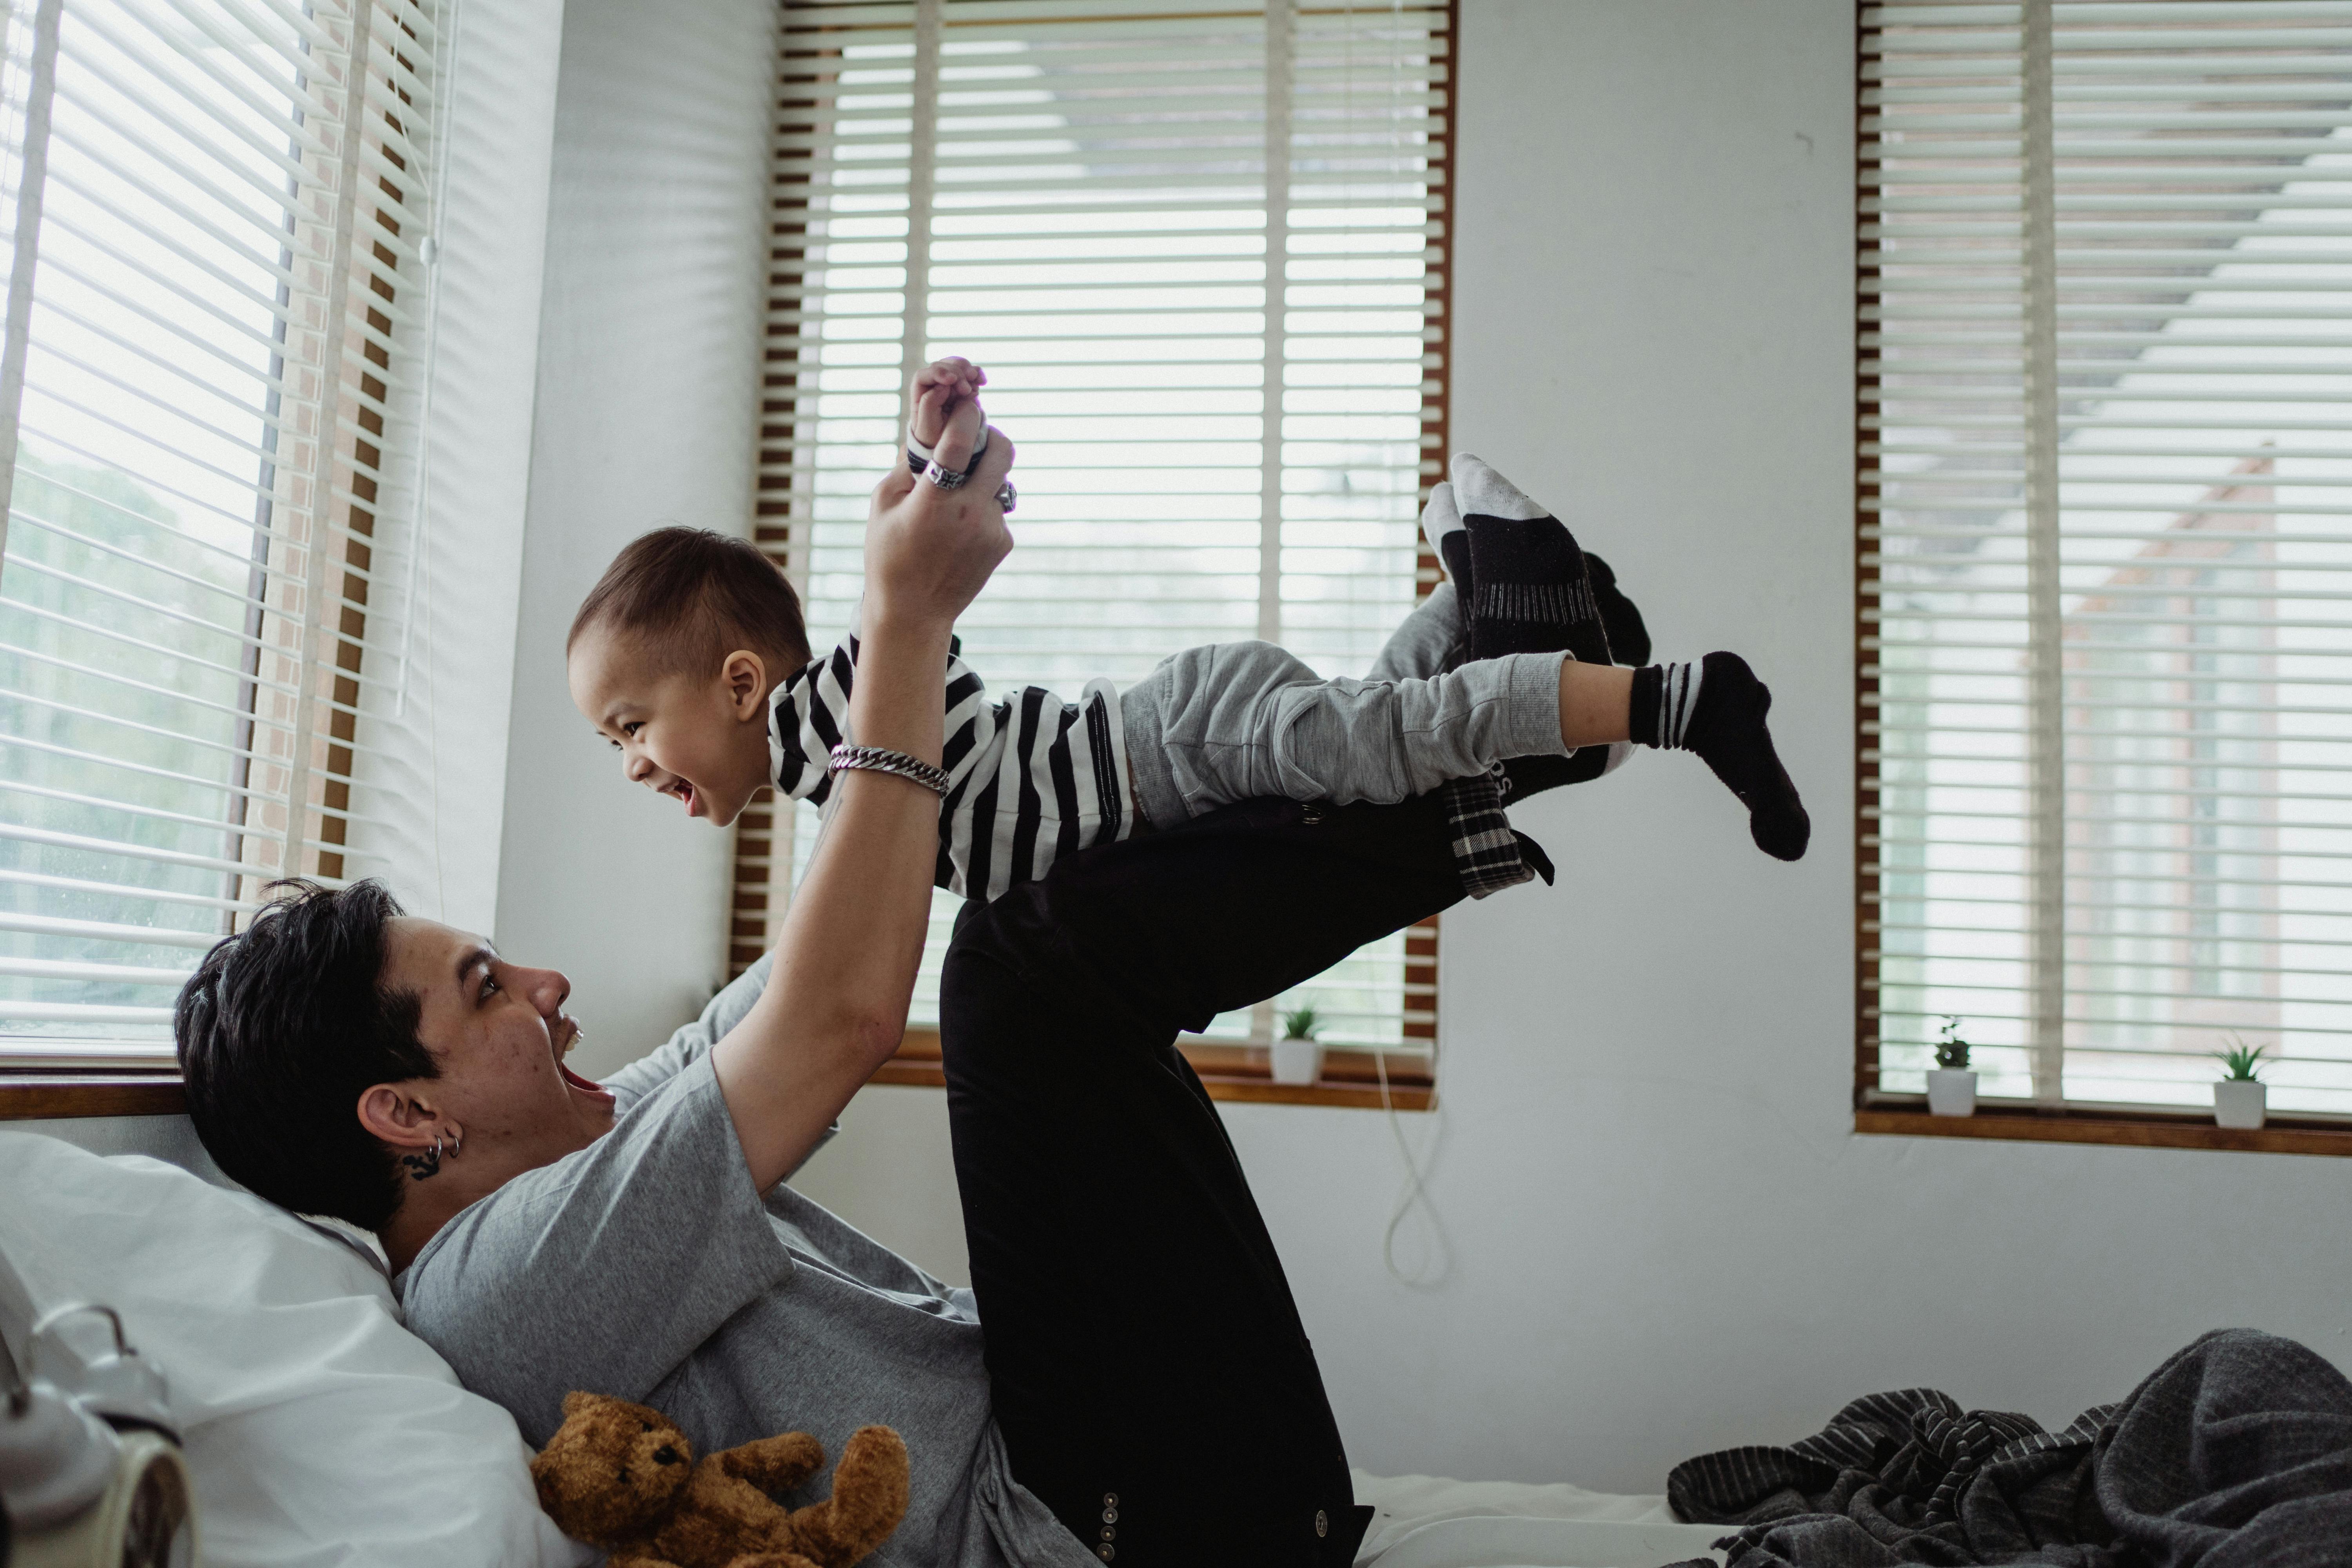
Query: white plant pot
1298, 1061
2239, 1102
1951, 1091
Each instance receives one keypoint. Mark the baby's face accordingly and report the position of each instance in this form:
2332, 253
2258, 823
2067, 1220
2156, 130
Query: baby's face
701, 739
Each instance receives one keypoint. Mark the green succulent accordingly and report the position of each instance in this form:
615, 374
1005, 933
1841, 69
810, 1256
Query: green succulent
1951, 1051
1299, 1024
2239, 1062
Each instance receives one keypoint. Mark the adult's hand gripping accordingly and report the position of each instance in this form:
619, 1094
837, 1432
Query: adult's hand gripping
929, 551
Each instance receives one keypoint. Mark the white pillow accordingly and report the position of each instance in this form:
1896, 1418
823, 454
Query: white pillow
317, 1429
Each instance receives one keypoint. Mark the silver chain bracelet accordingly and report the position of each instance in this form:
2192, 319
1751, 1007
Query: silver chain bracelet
875, 759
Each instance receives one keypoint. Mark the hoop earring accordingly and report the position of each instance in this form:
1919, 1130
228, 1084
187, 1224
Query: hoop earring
437, 1148
456, 1145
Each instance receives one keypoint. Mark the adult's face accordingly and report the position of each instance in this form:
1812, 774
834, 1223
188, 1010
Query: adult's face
498, 1033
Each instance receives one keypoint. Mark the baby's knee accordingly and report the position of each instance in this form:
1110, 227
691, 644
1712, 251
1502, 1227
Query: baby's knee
1336, 740
1230, 661
1271, 658
1208, 686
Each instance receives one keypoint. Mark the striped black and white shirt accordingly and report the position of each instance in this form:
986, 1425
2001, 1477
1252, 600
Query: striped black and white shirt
1031, 778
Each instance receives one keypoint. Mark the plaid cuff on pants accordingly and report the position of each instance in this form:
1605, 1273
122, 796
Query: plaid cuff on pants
1486, 850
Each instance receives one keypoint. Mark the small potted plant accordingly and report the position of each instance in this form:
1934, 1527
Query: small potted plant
1951, 1086
1296, 1057
2238, 1098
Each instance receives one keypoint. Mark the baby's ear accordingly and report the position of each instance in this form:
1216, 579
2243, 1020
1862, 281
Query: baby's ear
746, 676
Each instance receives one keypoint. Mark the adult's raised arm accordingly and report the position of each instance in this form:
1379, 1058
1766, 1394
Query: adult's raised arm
835, 1003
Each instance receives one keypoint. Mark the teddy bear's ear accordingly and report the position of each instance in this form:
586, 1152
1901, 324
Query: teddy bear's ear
579, 1400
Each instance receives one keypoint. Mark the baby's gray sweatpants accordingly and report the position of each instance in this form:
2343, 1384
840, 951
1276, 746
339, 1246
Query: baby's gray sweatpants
1234, 721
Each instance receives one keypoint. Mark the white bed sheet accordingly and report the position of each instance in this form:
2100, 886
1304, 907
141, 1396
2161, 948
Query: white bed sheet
1429, 1521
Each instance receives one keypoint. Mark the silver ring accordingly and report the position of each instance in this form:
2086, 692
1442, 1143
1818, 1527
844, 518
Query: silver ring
1005, 496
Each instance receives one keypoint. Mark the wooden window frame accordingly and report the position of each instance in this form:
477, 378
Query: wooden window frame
1350, 1079
1878, 1113
32, 1094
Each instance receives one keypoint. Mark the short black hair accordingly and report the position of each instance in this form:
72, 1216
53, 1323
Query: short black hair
689, 597
280, 1029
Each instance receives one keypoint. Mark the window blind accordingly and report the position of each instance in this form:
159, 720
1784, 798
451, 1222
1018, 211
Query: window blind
1199, 247
216, 314
2105, 545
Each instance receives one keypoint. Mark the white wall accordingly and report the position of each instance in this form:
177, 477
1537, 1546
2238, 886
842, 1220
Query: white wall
433, 809
648, 381
1664, 1236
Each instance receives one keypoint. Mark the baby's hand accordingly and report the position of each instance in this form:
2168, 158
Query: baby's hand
947, 416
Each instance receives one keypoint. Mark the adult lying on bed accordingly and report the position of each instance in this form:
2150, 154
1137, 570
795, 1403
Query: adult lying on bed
1145, 1392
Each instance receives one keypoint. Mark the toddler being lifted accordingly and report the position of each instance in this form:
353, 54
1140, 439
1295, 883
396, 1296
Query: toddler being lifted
691, 657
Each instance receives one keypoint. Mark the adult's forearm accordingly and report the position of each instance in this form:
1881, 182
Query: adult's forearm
895, 702
835, 1005
854, 936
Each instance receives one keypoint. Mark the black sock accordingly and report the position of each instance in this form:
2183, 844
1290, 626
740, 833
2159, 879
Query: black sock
1629, 639
1717, 708
1532, 595
1529, 591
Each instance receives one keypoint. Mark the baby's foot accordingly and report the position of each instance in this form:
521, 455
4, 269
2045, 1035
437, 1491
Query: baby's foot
1532, 591
1717, 708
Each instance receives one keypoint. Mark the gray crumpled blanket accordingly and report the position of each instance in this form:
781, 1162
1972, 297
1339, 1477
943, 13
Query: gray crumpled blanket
2235, 1453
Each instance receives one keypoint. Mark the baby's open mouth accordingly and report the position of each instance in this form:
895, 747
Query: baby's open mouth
685, 792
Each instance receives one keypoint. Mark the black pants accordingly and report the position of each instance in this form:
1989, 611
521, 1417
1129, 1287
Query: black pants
1151, 1373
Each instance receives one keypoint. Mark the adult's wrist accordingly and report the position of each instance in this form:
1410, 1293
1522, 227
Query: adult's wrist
896, 702
882, 626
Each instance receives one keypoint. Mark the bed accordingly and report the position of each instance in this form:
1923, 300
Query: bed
1427, 1521
319, 1430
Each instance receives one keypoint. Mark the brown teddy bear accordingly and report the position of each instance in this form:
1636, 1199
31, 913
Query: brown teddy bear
623, 1476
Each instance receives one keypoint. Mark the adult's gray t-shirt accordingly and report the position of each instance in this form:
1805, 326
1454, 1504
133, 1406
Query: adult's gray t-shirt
647, 1266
